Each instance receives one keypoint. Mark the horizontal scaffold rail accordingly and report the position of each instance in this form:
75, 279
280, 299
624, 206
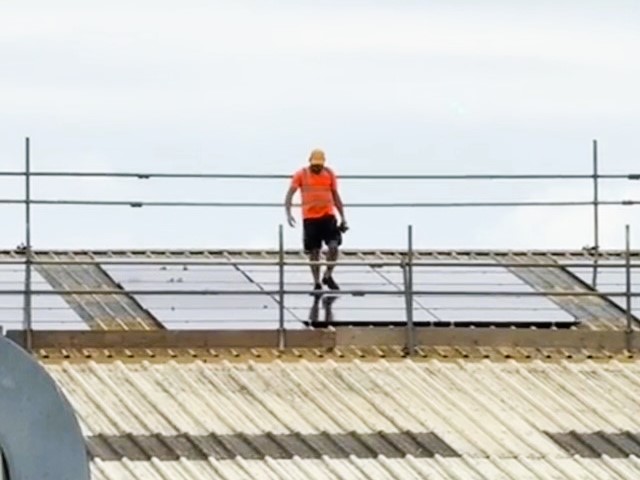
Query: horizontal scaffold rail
323, 263
140, 204
551, 293
375, 254
280, 176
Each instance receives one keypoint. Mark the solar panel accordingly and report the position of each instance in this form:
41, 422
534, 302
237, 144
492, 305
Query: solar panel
218, 310
197, 311
49, 312
261, 311
486, 309
352, 309
430, 309
612, 279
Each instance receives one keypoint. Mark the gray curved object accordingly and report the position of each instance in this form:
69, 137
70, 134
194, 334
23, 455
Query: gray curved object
40, 436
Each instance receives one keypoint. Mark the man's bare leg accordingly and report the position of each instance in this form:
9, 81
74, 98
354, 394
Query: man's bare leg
314, 256
332, 257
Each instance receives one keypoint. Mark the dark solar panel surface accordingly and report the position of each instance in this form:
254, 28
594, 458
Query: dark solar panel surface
491, 308
352, 308
261, 310
200, 310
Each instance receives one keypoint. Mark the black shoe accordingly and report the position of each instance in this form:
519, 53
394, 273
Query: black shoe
317, 290
330, 283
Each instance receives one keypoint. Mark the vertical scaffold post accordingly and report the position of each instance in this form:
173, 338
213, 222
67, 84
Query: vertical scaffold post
596, 218
408, 285
28, 311
627, 257
281, 332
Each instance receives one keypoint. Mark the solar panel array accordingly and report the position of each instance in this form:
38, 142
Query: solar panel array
198, 311
260, 310
376, 298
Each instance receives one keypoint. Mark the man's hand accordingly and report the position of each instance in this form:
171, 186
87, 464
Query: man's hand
343, 227
291, 220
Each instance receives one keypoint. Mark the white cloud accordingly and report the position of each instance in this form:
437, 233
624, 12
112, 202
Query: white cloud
384, 87
231, 29
567, 227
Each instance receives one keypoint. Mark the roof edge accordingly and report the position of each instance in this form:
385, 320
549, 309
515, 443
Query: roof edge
338, 337
364, 251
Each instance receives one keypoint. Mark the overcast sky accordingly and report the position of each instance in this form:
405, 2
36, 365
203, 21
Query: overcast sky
238, 86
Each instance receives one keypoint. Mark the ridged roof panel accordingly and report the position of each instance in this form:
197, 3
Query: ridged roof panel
358, 419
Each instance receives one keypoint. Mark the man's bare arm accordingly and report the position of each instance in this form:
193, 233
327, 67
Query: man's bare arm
288, 199
339, 205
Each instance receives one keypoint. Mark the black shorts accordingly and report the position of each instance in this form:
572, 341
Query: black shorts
318, 230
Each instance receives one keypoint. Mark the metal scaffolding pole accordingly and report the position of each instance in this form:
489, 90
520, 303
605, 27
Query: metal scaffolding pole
342, 293
305, 263
280, 176
408, 285
27, 315
627, 251
412, 260
281, 332
151, 203
596, 223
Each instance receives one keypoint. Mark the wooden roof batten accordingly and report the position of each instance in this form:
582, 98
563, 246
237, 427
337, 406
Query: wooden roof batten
328, 339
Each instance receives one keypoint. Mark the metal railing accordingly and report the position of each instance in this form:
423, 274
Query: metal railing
407, 263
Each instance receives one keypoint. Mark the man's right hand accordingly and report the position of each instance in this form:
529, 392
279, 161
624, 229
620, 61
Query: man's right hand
291, 220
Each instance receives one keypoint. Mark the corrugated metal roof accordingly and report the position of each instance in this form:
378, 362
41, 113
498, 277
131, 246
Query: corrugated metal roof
357, 419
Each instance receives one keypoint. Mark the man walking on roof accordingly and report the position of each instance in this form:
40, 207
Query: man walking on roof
320, 198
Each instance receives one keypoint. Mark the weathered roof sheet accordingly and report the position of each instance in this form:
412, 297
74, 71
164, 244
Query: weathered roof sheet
100, 312
353, 419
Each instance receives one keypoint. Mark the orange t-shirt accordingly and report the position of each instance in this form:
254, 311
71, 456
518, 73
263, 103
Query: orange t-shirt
316, 190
